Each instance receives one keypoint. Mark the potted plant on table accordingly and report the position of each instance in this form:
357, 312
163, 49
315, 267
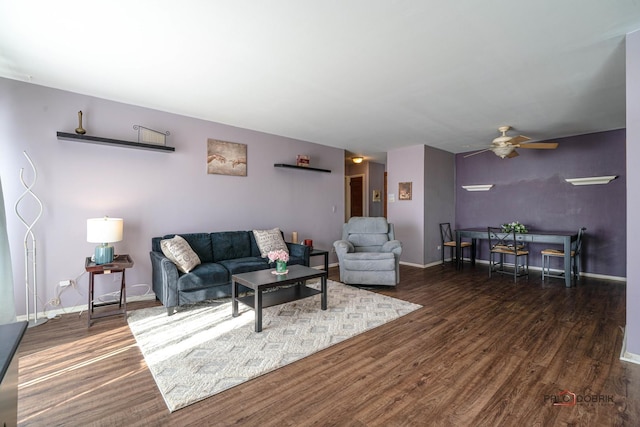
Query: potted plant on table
280, 257
514, 226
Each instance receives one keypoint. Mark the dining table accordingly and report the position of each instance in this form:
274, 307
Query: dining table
564, 238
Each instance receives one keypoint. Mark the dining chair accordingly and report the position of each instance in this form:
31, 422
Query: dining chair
447, 240
576, 265
504, 243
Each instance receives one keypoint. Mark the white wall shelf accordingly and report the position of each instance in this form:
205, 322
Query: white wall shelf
482, 187
592, 180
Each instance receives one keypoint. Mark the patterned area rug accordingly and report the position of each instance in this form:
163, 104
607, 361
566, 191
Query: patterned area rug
202, 350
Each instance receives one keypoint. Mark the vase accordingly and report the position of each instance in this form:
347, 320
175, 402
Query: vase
281, 267
80, 130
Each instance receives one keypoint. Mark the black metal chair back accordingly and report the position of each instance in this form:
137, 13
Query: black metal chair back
503, 243
445, 233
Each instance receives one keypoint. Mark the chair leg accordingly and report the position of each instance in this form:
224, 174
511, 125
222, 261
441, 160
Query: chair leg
490, 264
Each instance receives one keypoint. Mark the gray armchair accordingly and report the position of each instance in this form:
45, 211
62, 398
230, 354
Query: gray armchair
368, 253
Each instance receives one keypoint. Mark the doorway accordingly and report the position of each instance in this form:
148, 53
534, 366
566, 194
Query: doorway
355, 201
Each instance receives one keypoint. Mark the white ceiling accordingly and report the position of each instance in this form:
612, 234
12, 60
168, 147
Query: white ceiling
364, 75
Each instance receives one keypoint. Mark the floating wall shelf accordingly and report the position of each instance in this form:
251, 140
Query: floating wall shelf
592, 180
116, 142
483, 187
306, 168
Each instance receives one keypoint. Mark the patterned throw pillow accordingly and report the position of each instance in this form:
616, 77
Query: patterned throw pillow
180, 253
269, 240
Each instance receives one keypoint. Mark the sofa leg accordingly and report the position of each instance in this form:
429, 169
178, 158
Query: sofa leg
171, 310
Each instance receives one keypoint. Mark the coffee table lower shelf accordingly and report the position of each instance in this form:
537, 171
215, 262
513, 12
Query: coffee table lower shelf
281, 296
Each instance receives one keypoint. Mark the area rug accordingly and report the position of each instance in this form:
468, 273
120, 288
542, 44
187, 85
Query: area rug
203, 350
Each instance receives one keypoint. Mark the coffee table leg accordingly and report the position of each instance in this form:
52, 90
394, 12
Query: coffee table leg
258, 309
234, 299
323, 281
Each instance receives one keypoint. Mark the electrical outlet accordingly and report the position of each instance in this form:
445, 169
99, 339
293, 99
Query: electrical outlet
55, 302
64, 283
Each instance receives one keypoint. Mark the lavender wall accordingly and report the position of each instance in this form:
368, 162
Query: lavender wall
407, 165
155, 193
633, 195
531, 188
439, 199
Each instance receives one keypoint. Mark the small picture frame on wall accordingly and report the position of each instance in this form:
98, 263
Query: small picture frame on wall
404, 191
376, 195
226, 158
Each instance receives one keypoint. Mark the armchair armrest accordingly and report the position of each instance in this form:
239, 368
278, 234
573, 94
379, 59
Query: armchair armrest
394, 246
300, 251
343, 247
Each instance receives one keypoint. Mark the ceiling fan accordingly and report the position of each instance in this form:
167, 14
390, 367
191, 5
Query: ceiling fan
505, 146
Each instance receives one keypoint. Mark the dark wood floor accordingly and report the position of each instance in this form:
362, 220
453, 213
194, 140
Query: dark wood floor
481, 352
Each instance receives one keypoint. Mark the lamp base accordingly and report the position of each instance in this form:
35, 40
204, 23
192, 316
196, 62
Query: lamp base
103, 254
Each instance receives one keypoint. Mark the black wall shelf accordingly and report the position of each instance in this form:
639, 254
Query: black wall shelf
109, 141
306, 168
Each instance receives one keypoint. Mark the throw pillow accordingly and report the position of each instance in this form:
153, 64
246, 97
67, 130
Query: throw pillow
180, 253
269, 240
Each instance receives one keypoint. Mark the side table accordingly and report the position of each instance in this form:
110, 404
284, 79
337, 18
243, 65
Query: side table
119, 265
320, 252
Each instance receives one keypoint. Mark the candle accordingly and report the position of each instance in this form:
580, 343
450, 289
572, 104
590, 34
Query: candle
294, 237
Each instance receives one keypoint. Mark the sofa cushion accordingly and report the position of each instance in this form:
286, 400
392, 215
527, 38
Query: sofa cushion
180, 253
270, 240
200, 243
230, 245
243, 265
204, 276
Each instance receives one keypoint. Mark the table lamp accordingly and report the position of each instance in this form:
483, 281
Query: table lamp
104, 231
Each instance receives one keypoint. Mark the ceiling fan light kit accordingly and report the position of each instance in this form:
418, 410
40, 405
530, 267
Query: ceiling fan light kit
505, 146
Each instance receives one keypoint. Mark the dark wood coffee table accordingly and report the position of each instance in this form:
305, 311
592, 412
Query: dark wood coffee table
258, 281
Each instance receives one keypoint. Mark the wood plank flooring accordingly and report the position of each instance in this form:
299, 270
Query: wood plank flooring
481, 352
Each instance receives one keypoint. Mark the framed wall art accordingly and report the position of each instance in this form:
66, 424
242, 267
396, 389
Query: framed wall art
226, 158
404, 191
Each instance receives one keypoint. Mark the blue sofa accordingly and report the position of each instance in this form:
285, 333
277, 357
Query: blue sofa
222, 254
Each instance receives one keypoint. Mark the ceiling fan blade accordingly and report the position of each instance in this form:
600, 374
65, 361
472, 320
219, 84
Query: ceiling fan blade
540, 145
518, 139
514, 153
477, 152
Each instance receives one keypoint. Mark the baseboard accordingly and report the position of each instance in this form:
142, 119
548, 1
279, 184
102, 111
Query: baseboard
82, 308
625, 356
605, 277
534, 268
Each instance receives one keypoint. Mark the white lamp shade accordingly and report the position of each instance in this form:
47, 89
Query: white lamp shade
104, 230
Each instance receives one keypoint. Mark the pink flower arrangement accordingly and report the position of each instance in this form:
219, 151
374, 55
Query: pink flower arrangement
279, 255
